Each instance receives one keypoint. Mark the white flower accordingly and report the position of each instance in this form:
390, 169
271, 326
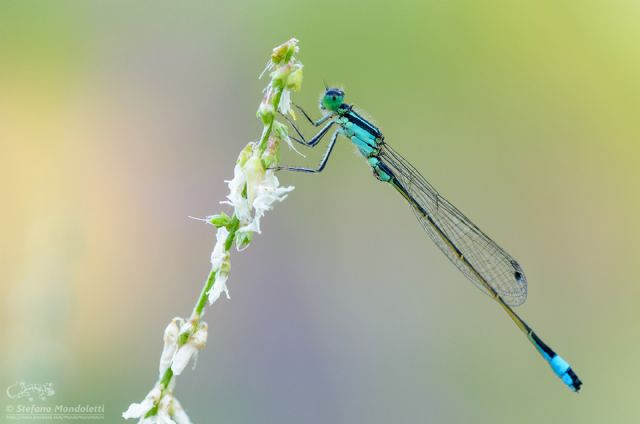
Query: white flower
164, 408
221, 264
171, 334
262, 190
169, 409
235, 198
178, 413
266, 194
252, 191
254, 172
139, 410
196, 342
170, 412
219, 254
219, 286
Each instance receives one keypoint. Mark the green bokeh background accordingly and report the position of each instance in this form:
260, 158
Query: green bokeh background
120, 119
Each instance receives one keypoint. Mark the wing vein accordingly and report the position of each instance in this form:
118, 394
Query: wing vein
482, 261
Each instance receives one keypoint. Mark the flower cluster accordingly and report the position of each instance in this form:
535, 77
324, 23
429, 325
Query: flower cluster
160, 406
286, 76
166, 408
254, 187
253, 191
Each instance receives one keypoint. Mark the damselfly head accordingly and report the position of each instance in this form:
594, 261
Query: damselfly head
332, 99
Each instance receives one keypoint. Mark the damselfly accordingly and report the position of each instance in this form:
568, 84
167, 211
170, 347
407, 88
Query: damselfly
479, 258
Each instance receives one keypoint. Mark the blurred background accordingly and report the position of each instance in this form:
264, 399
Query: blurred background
120, 119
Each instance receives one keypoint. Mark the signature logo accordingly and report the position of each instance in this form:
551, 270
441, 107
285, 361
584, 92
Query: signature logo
21, 390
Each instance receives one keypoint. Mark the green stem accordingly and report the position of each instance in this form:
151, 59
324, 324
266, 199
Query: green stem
202, 300
211, 279
164, 383
233, 226
197, 310
268, 127
166, 378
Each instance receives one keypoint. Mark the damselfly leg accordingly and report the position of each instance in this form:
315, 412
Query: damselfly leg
324, 160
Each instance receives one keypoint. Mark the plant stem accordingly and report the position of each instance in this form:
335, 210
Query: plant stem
267, 129
286, 76
202, 300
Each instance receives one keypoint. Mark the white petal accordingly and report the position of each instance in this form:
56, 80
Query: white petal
164, 410
164, 418
219, 286
136, 410
196, 342
171, 334
139, 410
235, 199
267, 193
285, 102
219, 254
254, 172
199, 339
253, 226
182, 358
179, 414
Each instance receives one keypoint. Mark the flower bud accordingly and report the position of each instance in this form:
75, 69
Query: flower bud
284, 52
270, 156
245, 154
255, 174
170, 343
294, 80
243, 238
195, 342
220, 220
266, 112
280, 75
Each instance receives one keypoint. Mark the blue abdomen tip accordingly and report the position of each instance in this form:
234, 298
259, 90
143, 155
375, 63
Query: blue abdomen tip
563, 370
559, 365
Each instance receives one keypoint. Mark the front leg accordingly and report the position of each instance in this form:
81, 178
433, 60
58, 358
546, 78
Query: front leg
322, 164
315, 139
317, 123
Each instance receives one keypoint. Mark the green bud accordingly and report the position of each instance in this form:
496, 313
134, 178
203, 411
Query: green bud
284, 52
245, 154
266, 112
270, 156
281, 74
243, 239
294, 80
183, 338
225, 267
220, 220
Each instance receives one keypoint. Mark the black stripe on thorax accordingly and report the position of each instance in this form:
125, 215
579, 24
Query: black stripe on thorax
358, 120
